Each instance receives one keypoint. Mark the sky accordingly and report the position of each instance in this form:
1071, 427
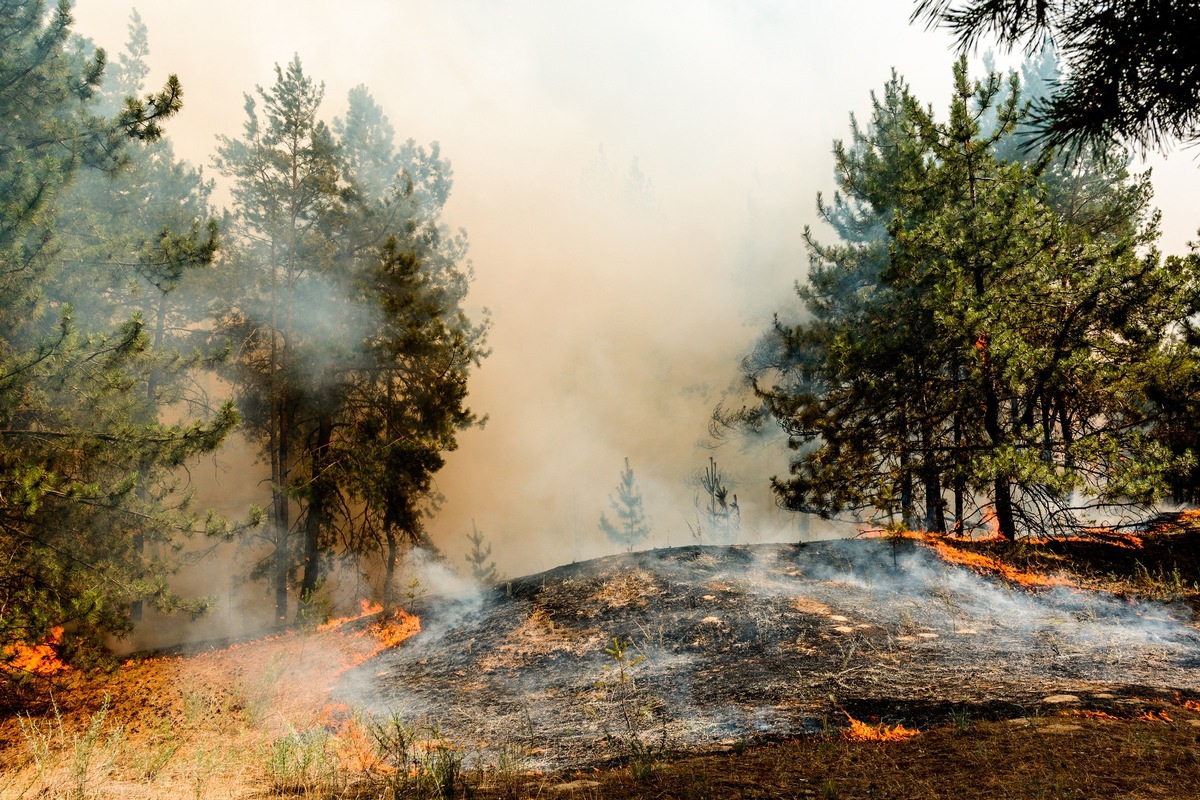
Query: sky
633, 176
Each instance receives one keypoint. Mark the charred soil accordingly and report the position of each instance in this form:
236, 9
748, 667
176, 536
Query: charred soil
695, 648
862, 668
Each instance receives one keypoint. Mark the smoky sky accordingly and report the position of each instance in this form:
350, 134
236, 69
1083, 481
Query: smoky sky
633, 178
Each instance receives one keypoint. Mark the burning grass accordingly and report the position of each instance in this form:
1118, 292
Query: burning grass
41, 660
1158, 563
1099, 755
181, 725
805, 649
878, 732
955, 553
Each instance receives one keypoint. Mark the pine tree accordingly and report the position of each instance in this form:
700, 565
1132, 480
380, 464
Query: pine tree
1131, 65
719, 514
985, 327
281, 305
478, 559
408, 399
85, 464
631, 526
135, 243
346, 312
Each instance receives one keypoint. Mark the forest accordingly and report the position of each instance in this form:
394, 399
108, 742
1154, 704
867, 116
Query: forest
987, 336
942, 382
321, 316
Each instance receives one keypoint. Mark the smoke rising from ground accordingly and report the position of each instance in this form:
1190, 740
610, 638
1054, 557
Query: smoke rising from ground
737, 641
633, 179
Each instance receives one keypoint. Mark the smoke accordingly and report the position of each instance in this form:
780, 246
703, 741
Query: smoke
633, 179
726, 643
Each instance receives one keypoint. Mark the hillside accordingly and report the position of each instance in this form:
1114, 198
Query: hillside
702, 671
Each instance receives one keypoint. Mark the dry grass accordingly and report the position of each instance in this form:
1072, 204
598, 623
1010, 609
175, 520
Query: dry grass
249, 720
1132, 752
1063, 755
1047, 758
209, 724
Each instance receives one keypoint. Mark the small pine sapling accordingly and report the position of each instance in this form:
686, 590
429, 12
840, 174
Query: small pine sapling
717, 511
631, 526
482, 569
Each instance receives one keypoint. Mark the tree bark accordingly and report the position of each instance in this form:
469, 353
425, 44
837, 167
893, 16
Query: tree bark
279, 498
315, 518
1001, 486
389, 568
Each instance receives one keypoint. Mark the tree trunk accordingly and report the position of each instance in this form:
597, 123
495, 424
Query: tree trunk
139, 540
960, 488
389, 568
314, 520
906, 479
1001, 486
1004, 508
279, 498
935, 515
1068, 433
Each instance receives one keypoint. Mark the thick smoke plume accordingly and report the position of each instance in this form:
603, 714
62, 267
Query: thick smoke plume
633, 179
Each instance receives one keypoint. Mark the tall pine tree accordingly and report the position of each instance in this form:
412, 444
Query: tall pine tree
981, 335
85, 463
345, 311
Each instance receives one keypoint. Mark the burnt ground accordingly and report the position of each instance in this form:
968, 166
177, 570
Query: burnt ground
728, 645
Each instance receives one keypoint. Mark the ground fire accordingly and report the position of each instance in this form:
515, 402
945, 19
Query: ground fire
695, 649
864, 732
737, 642
40, 660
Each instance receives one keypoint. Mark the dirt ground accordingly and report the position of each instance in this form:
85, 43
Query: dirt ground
691, 673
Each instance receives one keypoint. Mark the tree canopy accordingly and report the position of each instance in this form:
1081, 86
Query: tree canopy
983, 336
87, 464
344, 305
331, 299
1132, 69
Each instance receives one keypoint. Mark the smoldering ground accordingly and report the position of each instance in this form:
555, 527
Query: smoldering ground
723, 644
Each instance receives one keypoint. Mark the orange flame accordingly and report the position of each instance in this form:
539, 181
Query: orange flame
354, 744
991, 523
392, 632
387, 633
368, 609
1155, 716
1191, 705
985, 564
1127, 541
40, 659
862, 732
1088, 714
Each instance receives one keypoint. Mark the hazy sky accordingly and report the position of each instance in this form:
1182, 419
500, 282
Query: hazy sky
633, 177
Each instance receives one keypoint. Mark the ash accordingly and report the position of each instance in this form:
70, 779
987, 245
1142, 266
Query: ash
728, 644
